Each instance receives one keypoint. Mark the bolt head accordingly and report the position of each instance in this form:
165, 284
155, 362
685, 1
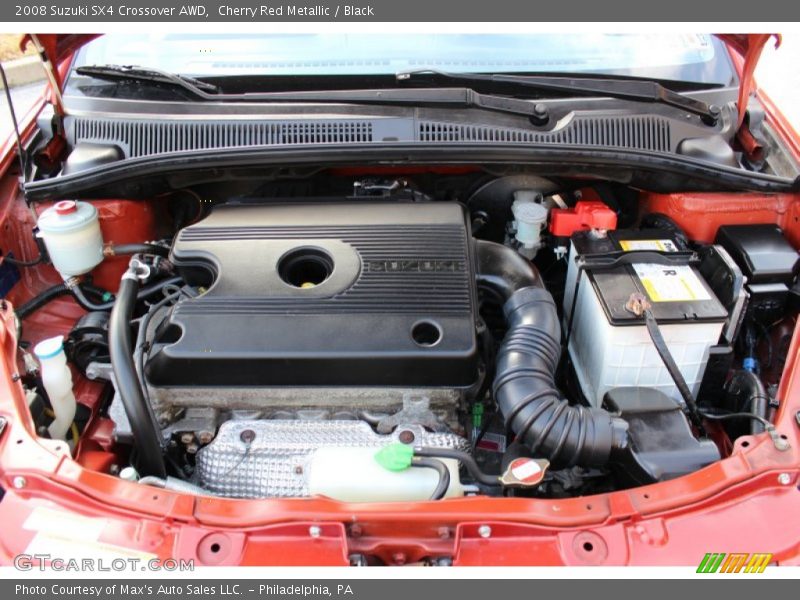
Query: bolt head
315, 531
406, 437
485, 531
784, 479
205, 437
19, 482
187, 438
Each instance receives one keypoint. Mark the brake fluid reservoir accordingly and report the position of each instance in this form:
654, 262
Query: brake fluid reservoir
351, 474
530, 218
57, 381
71, 231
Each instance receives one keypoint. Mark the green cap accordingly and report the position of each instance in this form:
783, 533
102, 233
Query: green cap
395, 457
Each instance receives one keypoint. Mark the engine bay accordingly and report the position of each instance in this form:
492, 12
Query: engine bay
385, 339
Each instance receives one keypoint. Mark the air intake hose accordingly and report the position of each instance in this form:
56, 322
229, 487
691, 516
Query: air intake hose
524, 385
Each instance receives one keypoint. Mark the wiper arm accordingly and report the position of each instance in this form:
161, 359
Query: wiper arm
148, 75
623, 89
449, 97
643, 91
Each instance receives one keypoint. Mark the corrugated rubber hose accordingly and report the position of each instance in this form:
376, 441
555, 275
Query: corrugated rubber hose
524, 385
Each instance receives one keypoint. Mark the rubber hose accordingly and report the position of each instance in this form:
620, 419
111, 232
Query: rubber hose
23, 263
749, 386
140, 249
464, 458
37, 302
143, 294
524, 384
441, 469
140, 414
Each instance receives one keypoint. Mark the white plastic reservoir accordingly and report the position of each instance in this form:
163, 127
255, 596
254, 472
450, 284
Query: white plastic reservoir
71, 231
530, 218
352, 474
57, 381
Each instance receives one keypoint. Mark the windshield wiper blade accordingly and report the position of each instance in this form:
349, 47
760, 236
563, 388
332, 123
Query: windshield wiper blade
148, 75
623, 89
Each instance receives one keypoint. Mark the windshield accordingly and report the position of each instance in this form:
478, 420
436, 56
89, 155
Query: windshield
689, 57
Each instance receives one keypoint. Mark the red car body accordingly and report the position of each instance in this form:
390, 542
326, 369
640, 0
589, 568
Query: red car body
747, 502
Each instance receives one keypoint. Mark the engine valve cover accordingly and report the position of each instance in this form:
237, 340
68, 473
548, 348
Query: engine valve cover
322, 294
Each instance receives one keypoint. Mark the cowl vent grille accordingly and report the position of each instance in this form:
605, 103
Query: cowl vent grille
146, 138
639, 133
137, 138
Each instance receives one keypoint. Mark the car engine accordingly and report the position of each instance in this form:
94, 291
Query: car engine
395, 345
319, 313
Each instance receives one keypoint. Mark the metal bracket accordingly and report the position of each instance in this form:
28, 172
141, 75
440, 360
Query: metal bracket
416, 411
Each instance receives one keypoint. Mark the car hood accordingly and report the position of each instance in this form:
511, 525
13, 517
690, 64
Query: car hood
56, 48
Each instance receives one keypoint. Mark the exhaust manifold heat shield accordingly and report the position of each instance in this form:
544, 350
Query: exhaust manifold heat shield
268, 458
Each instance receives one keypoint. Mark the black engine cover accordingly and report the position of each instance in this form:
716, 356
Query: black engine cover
323, 294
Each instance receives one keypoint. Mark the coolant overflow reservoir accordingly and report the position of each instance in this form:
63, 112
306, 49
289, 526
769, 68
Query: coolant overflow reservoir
71, 231
351, 474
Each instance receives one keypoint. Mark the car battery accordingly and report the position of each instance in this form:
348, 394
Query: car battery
609, 345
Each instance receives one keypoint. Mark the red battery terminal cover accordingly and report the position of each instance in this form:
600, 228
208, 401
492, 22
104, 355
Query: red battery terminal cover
587, 214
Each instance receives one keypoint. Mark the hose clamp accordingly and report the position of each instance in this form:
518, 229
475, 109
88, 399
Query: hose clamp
137, 270
72, 282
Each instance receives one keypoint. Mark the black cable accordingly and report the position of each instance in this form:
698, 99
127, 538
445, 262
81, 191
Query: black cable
738, 415
765, 336
465, 459
756, 399
139, 346
484, 429
441, 469
672, 367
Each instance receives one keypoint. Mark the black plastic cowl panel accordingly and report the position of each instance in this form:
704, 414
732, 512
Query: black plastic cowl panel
323, 294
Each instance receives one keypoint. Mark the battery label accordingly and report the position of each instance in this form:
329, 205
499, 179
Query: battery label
659, 245
671, 283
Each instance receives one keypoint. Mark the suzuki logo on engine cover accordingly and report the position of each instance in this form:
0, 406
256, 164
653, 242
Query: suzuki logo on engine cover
414, 266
